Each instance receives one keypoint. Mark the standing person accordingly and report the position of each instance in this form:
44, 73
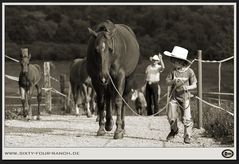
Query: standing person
152, 83
181, 80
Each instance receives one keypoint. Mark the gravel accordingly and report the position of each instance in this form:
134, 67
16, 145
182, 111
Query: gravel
65, 131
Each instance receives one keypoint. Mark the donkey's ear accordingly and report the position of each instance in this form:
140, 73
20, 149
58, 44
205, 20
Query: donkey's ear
92, 32
29, 56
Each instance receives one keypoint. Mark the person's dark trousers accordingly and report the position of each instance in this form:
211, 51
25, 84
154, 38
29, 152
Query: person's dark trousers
152, 95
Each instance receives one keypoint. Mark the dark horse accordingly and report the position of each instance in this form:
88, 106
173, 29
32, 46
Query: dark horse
81, 86
30, 77
113, 52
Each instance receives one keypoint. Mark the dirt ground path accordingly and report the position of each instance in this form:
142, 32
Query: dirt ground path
65, 131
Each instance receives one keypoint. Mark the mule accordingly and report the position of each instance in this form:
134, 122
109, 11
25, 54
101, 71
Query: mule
30, 77
82, 90
112, 56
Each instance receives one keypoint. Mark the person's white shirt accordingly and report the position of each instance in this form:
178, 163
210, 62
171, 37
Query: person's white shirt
153, 73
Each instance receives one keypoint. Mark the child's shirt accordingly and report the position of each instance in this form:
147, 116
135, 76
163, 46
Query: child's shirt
185, 78
153, 73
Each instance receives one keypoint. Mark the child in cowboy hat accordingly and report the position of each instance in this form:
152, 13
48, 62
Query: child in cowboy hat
152, 83
181, 80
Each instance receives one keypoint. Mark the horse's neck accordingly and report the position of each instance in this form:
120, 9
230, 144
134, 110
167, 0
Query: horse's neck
33, 74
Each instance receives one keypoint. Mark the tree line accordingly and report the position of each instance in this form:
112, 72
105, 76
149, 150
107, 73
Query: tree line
60, 32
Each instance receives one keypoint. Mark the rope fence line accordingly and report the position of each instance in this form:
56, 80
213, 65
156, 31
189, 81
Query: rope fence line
216, 93
214, 61
54, 79
54, 90
219, 72
212, 105
20, 105
12, 58
166, 104
12, 77
204, 61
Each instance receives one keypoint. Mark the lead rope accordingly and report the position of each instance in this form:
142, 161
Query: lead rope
130, 107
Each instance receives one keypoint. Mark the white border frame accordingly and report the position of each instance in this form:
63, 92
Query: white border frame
120, 153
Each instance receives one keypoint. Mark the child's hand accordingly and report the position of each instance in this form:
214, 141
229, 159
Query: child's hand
185, 88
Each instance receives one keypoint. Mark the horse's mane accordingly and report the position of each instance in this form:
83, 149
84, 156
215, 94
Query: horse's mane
107, 26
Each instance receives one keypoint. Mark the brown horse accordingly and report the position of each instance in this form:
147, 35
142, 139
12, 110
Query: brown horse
82, 90
29, 77
113, 53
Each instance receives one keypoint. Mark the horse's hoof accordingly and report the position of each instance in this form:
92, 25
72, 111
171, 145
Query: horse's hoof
109, 125
36, 118
89, 115
101, 133
97, 119
119, 135
28, 119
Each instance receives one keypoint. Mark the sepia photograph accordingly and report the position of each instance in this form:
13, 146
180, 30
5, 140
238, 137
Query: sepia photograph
119, 81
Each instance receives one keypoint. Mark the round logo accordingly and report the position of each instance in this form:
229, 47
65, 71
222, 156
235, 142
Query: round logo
227, 153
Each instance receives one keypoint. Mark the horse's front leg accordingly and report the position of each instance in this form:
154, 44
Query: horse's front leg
29, 97
120, 85
39, 98
100, 104
88, 91
109, 119
123, 114
23, 100
78, 98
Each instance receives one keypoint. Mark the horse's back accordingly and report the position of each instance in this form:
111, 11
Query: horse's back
127, 47
35, 73
78, 72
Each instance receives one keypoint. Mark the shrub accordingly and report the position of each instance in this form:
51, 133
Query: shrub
217, 123
49, 50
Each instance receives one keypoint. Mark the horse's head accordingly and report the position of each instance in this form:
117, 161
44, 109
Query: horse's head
104, 52
134, 94
24, 60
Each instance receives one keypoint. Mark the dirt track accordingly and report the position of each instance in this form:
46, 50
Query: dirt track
71, 131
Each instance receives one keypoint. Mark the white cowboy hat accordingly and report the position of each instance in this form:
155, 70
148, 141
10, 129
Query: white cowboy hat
155, 57
179, 53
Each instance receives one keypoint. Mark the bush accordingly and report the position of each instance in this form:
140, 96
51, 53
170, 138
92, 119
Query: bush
217, 123
12, 50
49, 50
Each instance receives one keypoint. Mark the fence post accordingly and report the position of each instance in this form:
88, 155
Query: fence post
219, 84
200, 112
69, 102
63, 91
47, 85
